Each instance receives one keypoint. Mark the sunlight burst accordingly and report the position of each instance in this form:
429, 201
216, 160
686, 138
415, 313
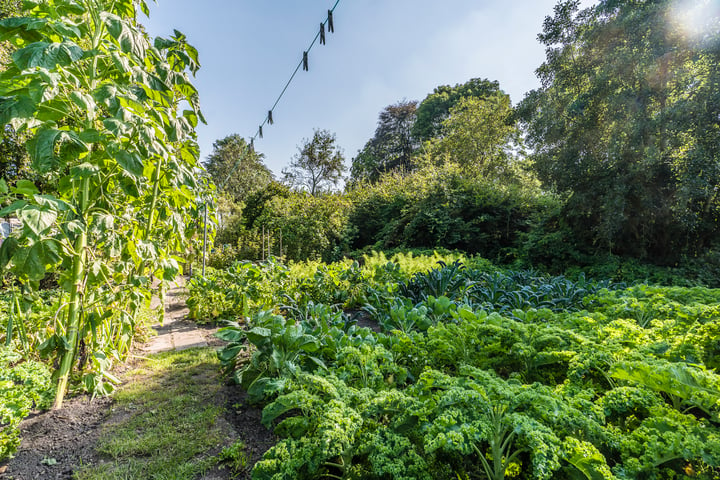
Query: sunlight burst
699, 19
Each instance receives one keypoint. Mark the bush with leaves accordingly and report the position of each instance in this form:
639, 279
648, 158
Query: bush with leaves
311, 227
444, 207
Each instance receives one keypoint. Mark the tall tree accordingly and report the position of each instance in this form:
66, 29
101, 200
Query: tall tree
436, 107
237, 167
318, 165
393, 145
480, 135
628, 121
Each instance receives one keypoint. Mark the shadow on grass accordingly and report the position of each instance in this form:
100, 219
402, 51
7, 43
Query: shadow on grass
167, 421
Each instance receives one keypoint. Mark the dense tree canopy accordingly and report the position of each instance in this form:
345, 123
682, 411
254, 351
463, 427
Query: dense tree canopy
628, 121
237, 168
436, 107
479, 135
13, 158
318, 165
392, 146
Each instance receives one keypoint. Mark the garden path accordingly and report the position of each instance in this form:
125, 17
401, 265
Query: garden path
175, 333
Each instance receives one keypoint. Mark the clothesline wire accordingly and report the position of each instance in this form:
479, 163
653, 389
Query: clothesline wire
282, 93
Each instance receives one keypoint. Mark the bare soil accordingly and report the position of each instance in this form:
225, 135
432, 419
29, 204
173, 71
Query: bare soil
56, 442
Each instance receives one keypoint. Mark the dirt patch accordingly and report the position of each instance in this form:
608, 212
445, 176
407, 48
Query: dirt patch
363, 319
54, 443
246, 421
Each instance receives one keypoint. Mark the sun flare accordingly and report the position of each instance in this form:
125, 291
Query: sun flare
699, 19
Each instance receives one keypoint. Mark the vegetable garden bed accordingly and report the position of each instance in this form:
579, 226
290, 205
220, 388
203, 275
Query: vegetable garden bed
475, 374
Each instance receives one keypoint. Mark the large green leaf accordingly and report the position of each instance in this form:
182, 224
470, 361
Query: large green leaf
129, 162
91, 136
71, 8
37, 219
53, 203
65, 30
84, 102
25, 187
16, 109
129, 187
130, 39
31, 262
71, 146
13, 207
53, 111
42, 149
690, 383
152, 85
229, 353
51, 148
258, 335
191, 117
124, 8
107, 95
231, 334
84, 170
116, 127
24, 27
47, 55
295, 400
7, 250
587, 459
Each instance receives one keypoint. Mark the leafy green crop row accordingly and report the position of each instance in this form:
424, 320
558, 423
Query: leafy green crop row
245, 286
24, 385
479, 375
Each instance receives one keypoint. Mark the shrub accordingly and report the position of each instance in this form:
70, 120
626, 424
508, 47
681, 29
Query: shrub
444, 207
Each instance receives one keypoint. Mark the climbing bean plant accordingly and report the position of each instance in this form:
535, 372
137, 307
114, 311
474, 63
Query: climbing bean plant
111, 118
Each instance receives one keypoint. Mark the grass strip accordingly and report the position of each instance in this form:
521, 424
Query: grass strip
165, 420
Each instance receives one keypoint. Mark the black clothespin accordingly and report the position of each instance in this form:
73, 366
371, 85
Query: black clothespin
322, 34
305, 61
260, 131
270, 119
331, 27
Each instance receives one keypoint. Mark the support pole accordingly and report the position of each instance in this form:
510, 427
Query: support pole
204, 240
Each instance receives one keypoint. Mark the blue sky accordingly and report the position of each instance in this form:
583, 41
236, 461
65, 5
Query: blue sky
382, 51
